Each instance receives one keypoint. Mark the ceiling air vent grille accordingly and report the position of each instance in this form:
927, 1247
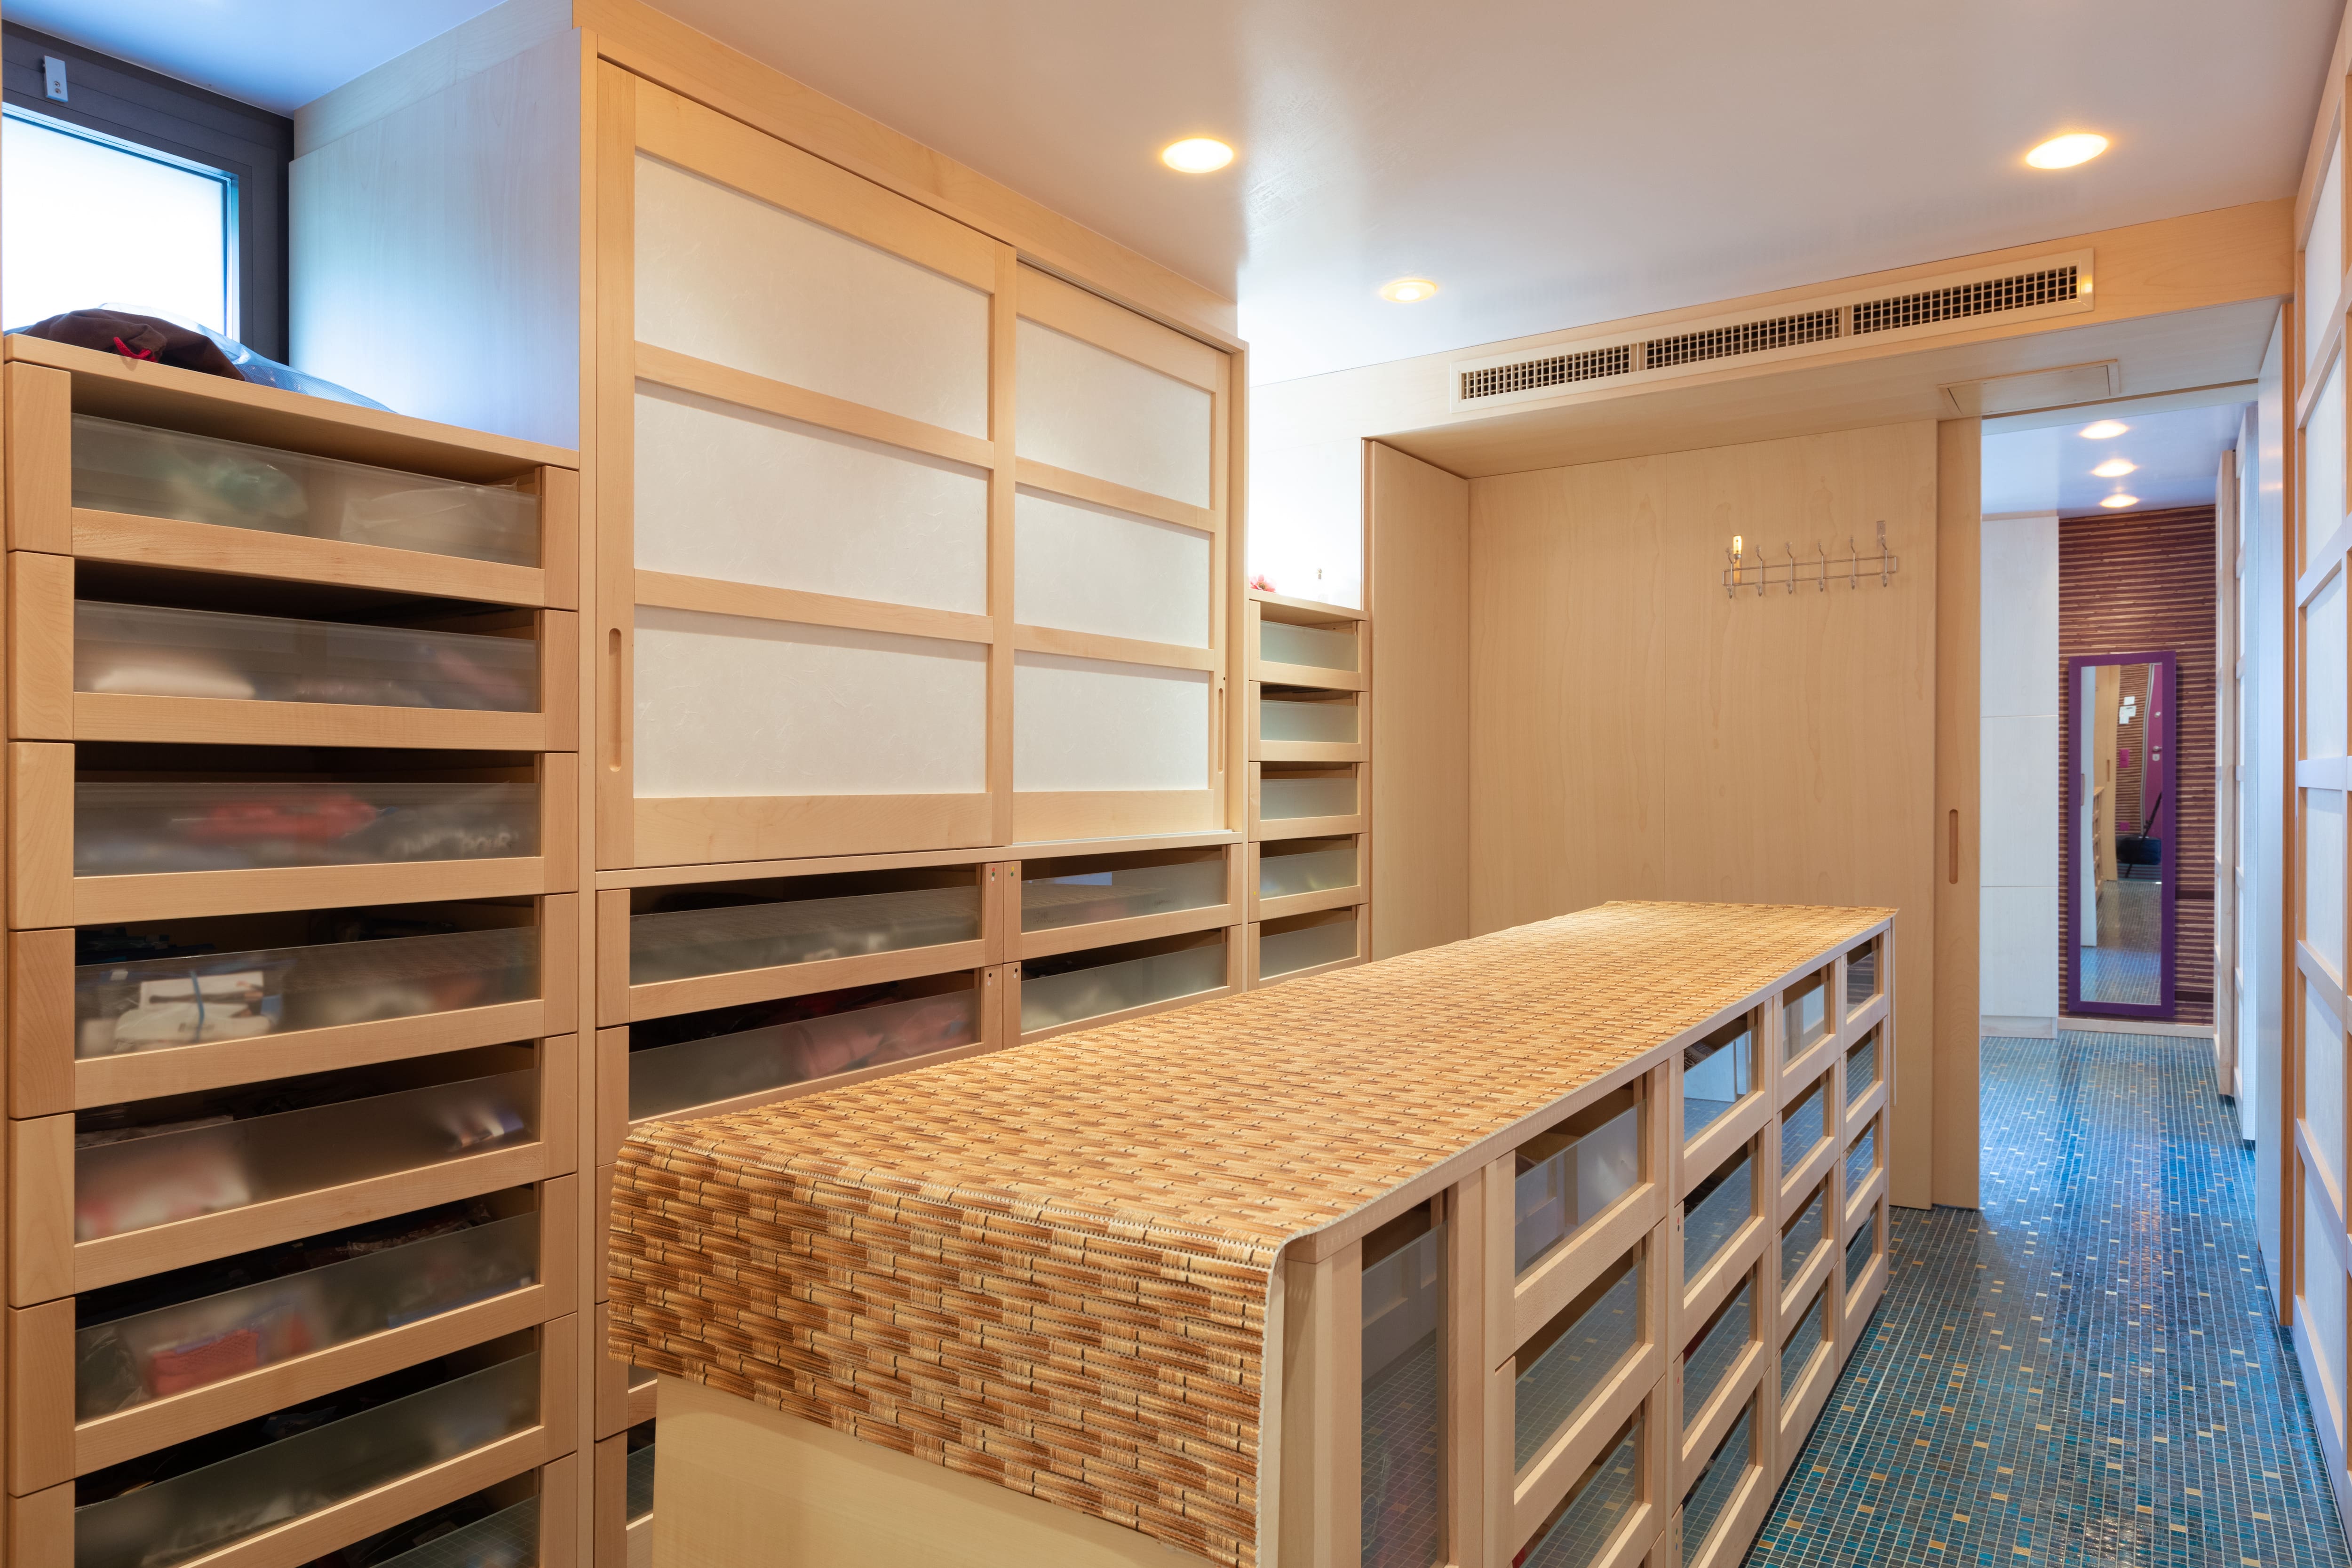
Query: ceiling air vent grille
1991, 295
2022, 290
1555, 370
1741, 338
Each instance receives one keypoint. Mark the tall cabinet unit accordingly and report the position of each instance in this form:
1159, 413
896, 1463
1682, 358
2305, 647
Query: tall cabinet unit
291, 976
1310, 749
2315, 1192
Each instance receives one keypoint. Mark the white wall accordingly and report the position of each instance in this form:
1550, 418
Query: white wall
1306, 518
2018, 762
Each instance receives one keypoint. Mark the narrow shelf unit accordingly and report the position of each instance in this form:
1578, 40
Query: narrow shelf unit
293, 977
1310, 820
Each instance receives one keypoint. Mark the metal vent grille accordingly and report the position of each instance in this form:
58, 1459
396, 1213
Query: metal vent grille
1742, 338
1559, 370
2049, 287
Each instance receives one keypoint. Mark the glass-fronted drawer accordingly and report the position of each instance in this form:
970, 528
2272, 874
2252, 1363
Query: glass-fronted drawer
1404, 1391
1710, 1497
1710, 1356
1296, 718
150, 472
1076, 986
1863, 979
1291, 865
1587, 1519
153, 651
1802, 1236
1862, 1068
200, 997
504, 1538
1565, 1362
200, 1496
1306, 942
1318, 647
231, 1150
1715, 1210
1717, 1074
1806, 1344
704, 1058
1567, 1175
1861, 1158
1285, 796
1861, 1248
1804, 1126
123, 829
723, 929
1087, 889
166, 1334
638, 1500
1805, 1015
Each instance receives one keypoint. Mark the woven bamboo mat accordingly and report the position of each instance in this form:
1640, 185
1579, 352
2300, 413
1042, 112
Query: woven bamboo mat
1048, 1265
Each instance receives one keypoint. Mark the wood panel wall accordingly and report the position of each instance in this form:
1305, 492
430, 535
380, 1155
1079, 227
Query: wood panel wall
2138, 582
1633, 733
1419, 525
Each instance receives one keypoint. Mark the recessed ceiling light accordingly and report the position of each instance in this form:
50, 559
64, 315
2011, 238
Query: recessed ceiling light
2065, 152
2115, 469
2118, 499
1196, 155
1408, 290
2105, 430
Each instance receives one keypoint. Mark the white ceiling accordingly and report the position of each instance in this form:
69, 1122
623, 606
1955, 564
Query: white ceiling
2049, 470
1549, 164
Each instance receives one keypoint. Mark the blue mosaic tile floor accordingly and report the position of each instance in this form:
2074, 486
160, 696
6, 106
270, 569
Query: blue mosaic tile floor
2085, 1373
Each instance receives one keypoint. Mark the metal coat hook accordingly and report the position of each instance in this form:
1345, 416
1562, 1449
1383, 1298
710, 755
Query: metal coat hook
1794, 570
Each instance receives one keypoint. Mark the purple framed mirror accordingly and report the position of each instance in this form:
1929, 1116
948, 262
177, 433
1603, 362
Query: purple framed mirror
2117, 806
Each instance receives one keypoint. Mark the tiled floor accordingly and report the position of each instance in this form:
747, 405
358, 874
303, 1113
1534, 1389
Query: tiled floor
2085, 1373
2128, 964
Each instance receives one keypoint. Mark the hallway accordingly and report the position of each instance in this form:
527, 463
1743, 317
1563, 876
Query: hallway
2086, 1372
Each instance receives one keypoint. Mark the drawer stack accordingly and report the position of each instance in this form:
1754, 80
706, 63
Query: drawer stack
292, 977
1309, 788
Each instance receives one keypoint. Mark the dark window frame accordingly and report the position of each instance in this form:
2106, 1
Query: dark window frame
250, 146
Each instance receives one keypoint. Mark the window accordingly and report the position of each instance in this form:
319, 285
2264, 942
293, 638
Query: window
139, 190
88, 219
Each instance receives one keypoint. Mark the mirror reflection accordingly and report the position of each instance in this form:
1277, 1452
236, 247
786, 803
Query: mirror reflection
2123, 861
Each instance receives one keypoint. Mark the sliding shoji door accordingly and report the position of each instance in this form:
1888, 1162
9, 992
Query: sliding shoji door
890, 526
1119, 551
2318, 1014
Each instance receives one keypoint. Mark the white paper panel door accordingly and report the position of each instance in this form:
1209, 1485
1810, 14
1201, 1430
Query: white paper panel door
729, 706
1093, 412
727, 278
2323, 260
733, 493
2323, 1090
1086, 568
1083, 725
2323, 1302
2323, 467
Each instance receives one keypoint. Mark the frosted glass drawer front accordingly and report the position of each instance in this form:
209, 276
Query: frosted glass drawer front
1711, 1357
1280, 642
2323, 260
1304, 947
2323, 467
198, 1510
1804, 1236
1862, 1068
1803, 1126
725, 1067
152, 651
128, 827
1087, 568
1717, 1074
727, 278
730, 706
1860, 1249
747, 497
1860, 976
2323, 875
1050, 1000
1715, 1212
1082, 724
640, 1484
1305, 866
2323, 692
1404, 1421
1564, 1363
1861, 1158
154, 1003
1120, 892
507, 1539
1096, 413
201, 479
1580, 1528
1282, 797
2322, 1082
682, 943
1805, 1015
164, 1177
1326, 722
1567, 1177
1710, 1496
121, 1365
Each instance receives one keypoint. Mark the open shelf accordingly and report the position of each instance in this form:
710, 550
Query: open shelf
1295, 644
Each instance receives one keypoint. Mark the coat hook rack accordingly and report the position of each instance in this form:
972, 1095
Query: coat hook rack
1742, 572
